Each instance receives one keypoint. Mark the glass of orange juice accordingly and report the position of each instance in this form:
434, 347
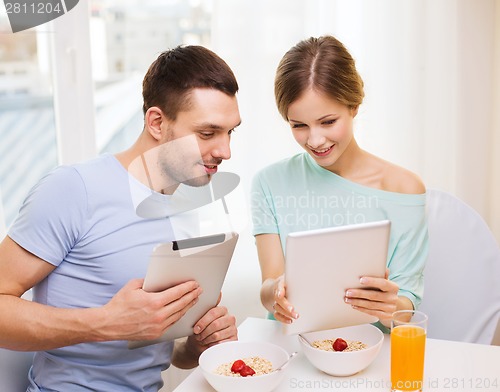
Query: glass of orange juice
408, 333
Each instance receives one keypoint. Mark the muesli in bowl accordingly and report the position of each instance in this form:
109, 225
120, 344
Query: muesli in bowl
339, 344
365, 341
252, 366
261, 357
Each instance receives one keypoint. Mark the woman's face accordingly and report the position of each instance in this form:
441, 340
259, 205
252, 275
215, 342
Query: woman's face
322, 126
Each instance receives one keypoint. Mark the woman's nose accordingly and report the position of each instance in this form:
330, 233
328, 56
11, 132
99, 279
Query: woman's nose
316, 138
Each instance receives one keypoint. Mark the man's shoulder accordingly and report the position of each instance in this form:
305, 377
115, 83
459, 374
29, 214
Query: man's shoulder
102, 168
101, 162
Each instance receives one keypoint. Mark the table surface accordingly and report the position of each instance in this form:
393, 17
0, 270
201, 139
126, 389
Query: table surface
449, 366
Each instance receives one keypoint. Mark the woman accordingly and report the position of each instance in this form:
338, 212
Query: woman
334, 182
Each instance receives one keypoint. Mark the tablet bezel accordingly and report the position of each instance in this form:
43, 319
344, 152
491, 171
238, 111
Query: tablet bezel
204, 259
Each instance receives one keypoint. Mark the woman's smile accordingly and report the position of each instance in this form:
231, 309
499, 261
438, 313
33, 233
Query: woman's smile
323, 152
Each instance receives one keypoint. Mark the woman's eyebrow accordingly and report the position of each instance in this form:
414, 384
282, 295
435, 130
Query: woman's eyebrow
319, 119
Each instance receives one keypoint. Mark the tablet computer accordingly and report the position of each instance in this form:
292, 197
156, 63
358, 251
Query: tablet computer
204, 259
321, 264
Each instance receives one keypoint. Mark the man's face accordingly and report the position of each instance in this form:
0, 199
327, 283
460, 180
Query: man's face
198, 140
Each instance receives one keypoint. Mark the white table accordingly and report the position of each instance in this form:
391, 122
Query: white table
449, 366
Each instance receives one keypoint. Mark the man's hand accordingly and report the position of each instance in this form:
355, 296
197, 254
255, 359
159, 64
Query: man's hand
215, 327
134, 314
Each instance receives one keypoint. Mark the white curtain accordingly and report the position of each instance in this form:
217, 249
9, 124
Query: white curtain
431, 72
493, 218
432, 81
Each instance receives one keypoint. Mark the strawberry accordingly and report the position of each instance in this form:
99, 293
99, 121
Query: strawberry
339, 344
247, 371
237, 366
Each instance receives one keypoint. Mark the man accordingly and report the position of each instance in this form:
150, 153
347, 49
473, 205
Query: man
79, 241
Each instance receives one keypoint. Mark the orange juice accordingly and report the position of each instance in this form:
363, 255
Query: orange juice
407, 357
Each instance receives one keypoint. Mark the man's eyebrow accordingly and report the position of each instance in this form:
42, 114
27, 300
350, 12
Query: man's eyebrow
215, 127
208, 125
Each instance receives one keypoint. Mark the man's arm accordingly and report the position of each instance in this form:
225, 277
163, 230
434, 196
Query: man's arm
132, 314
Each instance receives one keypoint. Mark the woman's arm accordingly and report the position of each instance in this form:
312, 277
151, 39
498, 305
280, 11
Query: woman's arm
272, 265
403, 290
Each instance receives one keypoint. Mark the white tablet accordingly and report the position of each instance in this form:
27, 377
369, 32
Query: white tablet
321, 264
204, 259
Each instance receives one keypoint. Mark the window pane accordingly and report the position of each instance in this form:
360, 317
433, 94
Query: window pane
27, 126
126, 37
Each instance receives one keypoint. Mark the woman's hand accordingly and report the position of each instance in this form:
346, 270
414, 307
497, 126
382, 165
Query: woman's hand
282, 309
379, 298
272, 264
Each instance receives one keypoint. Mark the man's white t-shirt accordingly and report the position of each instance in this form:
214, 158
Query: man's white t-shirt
82, 219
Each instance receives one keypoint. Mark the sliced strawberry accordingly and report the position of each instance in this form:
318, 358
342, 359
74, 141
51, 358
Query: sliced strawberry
247, 371
237, 366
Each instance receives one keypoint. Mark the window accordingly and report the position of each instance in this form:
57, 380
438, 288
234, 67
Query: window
27, 122
125, 37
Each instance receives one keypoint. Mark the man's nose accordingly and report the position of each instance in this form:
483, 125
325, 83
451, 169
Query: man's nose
222, 150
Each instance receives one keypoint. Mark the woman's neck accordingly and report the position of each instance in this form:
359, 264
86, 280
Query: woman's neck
350, 162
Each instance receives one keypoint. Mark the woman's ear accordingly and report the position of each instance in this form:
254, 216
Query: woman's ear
354, 111
153, 120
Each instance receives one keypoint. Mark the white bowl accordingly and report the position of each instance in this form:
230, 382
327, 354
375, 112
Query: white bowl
226, 352
339, 363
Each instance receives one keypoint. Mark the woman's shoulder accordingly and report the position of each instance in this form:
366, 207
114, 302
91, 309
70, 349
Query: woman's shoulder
384, 175
400, 180
282, 166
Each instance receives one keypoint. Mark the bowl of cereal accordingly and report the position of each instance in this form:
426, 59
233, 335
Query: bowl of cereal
243, 366
342, 351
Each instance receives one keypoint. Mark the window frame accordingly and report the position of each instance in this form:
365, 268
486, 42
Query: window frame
73, 85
